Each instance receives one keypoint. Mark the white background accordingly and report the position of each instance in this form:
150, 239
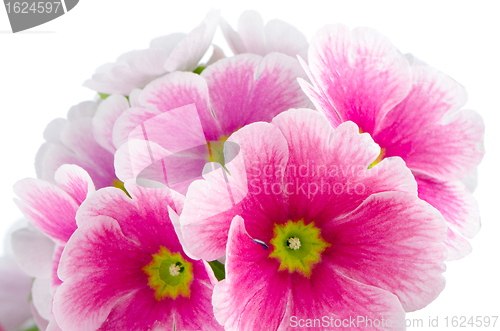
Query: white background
41, 72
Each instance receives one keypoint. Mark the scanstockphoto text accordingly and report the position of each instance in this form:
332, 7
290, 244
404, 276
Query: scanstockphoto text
362, 322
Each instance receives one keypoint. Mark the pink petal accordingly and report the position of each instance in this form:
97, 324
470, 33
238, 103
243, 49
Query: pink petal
457, 246
75, 181
177, 130
358, 76
211, 204
393, 241
108, 112
454, 201
180, 89
429, 133
51, 209
253, 293
247, 88
190, 50
128, 121
327, 172
99, 266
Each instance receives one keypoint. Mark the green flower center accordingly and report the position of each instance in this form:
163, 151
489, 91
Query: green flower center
169, 274
297, 246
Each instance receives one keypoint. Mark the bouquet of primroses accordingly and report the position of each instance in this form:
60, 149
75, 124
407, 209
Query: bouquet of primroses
294, 184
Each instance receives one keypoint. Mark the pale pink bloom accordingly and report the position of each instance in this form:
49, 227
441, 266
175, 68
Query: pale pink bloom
411, 110
372, 240
125, 268
254, 37
174, 52
72, 141
52, 210
181, 113
15, 286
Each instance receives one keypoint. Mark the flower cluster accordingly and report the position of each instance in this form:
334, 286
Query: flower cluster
289, 182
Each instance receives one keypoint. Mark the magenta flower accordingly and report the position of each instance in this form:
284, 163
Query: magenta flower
125, 269
52, 210
312, 232
191, 115
411, 110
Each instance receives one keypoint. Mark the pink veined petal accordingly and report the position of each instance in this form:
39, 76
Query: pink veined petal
429, 132
330, 293
393, 241
360, 74
211, 204
75, 181
33, 251
179, 89
190, 50
285, 38
327, 173
51, 209
252, 33
248, 88
454, 201
107, 113
99, 266
254, 293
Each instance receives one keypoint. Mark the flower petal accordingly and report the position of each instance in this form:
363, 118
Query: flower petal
211, 204
75, 181
429, 132
98, 267
248, 88
33, 251
358, 76
393, 241
253, 293
51, 209
190, 50
107, 113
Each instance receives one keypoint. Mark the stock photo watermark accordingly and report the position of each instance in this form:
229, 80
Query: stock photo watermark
24, 15
363, 322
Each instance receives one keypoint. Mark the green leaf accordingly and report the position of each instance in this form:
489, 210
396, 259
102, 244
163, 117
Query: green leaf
33, 328
199, 70
219, 270
103, 95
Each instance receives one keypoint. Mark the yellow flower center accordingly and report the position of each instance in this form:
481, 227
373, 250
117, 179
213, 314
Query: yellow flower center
169, 274
297, 246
